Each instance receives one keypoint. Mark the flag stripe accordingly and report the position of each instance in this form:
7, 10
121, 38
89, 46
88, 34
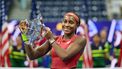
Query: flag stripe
5, 47
85, 59
3, 32
120, 57
112, 29
5, 41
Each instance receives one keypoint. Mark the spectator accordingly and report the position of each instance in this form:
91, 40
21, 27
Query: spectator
97, 52
17, 54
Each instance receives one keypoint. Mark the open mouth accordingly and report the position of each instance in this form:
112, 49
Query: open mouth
67, 30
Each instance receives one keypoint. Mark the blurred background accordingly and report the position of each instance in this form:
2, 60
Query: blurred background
102, 19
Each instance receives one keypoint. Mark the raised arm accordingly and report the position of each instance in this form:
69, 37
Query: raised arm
37, 52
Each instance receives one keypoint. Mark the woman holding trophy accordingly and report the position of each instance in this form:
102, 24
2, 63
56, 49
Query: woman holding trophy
65, 49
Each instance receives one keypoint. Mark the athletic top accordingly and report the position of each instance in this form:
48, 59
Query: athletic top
57, 62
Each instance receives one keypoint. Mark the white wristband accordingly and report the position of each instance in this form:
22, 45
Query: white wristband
51, 41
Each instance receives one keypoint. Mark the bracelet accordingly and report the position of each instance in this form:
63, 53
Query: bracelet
51, 41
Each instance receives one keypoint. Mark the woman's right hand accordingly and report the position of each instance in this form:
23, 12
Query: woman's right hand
47, 33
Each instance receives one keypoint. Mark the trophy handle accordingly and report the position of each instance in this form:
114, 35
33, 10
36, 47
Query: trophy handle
23, 26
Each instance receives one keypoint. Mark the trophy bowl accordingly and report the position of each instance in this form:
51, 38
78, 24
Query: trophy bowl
33, 29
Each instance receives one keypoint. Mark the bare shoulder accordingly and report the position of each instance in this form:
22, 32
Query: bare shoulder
81, 40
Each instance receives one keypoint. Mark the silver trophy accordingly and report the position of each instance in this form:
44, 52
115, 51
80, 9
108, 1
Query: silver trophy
34, 30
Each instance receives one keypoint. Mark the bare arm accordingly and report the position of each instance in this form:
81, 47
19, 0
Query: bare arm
38, 51
72, 50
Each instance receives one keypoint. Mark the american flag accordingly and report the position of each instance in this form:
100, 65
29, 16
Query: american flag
118, 27
4, 47
87, 55
120, 57
90, 31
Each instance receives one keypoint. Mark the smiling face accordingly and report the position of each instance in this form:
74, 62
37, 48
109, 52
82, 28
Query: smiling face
69, 24
96, 39
103, 34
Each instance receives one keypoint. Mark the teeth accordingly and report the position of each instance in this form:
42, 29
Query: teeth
66, 29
